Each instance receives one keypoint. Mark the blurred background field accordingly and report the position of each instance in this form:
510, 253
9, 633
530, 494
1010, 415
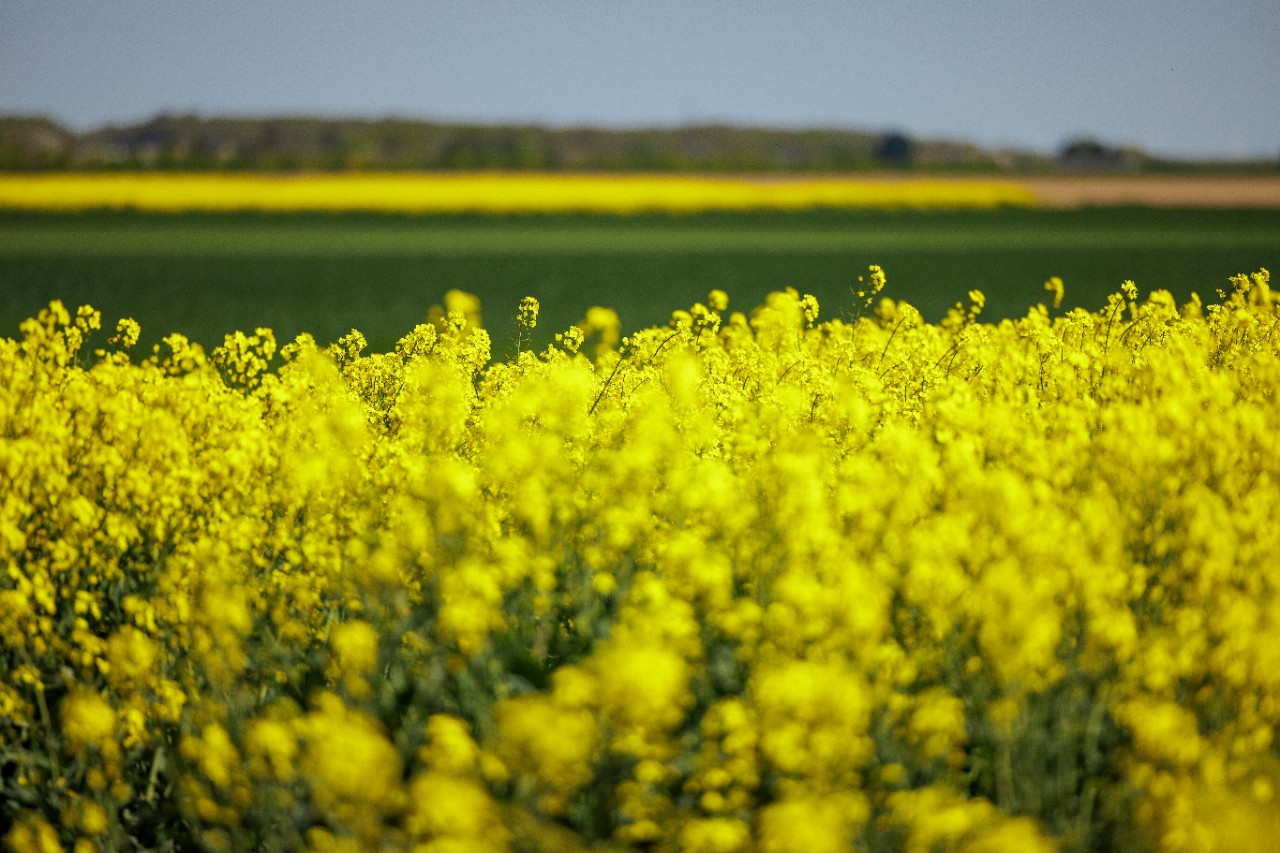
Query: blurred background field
208, 225
494, 192
207, 274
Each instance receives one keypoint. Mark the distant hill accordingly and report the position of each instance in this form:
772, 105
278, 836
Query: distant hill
189, 142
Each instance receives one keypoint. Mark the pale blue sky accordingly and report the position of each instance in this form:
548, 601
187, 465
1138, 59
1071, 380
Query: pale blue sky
1183, 77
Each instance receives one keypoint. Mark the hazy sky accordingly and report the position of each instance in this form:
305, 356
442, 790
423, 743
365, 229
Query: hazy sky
1180, 77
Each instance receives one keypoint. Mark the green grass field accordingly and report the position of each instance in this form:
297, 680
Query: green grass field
208, 274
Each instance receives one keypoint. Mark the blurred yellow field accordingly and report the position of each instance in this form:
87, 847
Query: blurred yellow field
493, 193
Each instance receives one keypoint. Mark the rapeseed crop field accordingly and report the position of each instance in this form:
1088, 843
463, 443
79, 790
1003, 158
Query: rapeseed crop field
801, 577
208, 274
490, 193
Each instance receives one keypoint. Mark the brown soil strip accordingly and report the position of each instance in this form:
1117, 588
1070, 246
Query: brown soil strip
1157, 191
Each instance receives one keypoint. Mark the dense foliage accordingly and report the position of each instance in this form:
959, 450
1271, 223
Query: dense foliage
739, 583
273, 143
315, 143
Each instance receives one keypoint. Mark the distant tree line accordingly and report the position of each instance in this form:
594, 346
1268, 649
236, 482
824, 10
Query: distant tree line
189, 142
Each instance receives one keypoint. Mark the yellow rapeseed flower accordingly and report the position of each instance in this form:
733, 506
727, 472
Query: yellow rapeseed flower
748, 583
88, 720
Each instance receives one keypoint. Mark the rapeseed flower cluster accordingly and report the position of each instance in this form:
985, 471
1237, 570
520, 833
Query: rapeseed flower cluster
753, 582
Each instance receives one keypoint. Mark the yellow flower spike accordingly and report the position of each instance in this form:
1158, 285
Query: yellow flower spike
812, 825
641, 686
88, 720
453, 813
715, 835
33, 834
467, 305
355, 645
127, 333
349, 765
449, 747
814, 720
571, 339
550, 746
604, 583
275, 743
1055, 286
937, 725
528, 316
132, 656
93, 820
